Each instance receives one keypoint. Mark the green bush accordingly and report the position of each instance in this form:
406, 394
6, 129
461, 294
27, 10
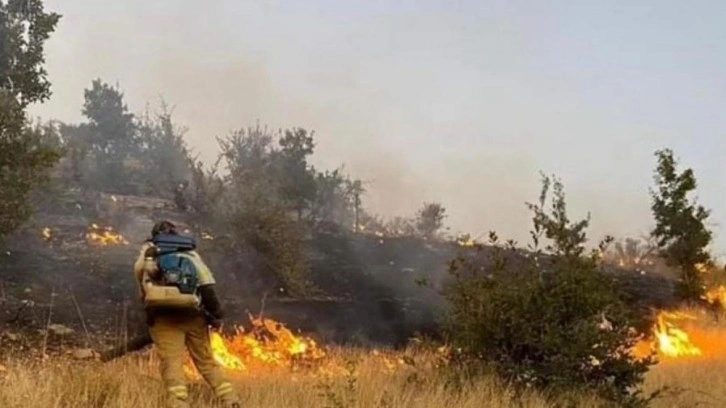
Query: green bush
546, 317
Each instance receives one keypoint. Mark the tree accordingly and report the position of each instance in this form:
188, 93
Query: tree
25, 158
337, 199
400, 226
633, 253
256, 213
298, 177
549, 317
430, 219
164, 155
680, 231
114, 141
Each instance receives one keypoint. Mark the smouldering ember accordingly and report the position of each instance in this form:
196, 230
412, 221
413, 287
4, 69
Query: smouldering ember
466, 241
104, 236
207, 236
635, 262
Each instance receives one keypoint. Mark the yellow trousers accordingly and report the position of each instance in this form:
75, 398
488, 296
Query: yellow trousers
173, 336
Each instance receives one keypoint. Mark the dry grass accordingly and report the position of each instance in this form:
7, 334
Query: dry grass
370, 380
369, 383
692, 383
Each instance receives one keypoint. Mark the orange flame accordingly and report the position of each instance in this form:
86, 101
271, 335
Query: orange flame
716, 296
268, 344
222, 355
672, 341
104, 236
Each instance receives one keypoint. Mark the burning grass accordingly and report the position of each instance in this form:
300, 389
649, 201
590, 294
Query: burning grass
354, 378
268, 343
104, 236
345, 377
273, 367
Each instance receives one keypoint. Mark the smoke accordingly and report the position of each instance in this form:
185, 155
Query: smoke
425, 104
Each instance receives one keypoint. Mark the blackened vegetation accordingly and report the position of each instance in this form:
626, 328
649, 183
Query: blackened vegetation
369, 291
270, 224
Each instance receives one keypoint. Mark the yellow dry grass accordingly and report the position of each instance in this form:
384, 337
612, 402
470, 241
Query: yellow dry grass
693, 382
372, 381
380, 380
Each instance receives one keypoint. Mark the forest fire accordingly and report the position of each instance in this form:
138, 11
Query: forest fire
686, 333
104, 236
672, 341
268, 344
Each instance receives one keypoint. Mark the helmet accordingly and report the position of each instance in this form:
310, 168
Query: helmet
163, 227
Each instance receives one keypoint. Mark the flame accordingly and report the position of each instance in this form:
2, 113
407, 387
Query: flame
104, 236
672, 341
47, 234
466, 241
222, 355
716, 296
268, 344
669, 340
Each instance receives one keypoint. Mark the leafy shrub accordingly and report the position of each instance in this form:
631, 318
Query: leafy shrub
548, 317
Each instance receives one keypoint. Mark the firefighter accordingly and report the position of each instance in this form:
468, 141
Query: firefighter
175, 330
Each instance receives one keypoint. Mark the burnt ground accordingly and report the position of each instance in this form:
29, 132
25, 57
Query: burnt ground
370, 281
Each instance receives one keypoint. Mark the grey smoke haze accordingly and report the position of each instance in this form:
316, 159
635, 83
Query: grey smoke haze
453, 101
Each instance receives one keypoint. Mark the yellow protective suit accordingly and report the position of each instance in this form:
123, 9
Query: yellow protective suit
176, 333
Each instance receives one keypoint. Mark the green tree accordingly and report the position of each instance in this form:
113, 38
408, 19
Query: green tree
680, 231
25, 157
297, 176
337, 199
256, 213
115, 145
549, 317
76, 164
430, 219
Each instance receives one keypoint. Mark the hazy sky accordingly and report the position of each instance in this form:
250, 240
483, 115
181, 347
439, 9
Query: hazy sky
461, 102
